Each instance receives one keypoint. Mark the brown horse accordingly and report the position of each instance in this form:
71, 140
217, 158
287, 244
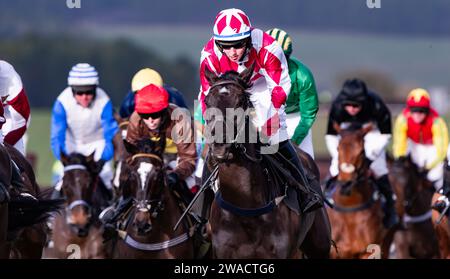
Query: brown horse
356, 216
146, 228
28, 241
248, 218
443, 228
5, 180
417, 239
78, 229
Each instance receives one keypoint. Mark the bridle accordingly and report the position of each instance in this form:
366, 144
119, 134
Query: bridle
234, 145
152, 206
92, 187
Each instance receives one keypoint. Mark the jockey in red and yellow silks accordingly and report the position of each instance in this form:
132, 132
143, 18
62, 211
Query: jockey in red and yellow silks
421, 132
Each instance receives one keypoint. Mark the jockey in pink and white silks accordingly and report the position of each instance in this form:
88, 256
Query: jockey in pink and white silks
82, 120
236, 46
16, 106
271, 82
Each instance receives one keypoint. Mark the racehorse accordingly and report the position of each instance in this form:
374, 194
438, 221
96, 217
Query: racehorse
85, 198
356, 215
414, 192
5, 180
27, 221
443, 227
249, 217
145, 230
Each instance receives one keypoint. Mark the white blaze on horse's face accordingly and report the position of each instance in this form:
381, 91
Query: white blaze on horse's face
347, 168
224, 90
143, 171
117, 175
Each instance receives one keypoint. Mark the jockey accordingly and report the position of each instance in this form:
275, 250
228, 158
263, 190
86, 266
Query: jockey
141, 79
82, 120
422, 133
155, 119
16, 178
302, 103
356, 104
236, 46
16, 106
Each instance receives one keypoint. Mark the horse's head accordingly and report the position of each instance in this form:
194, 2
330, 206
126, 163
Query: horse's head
227, 106
409, 181
145, 184
352, 158
78, 186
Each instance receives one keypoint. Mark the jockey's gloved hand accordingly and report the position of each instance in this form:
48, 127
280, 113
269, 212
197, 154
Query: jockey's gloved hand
172, 180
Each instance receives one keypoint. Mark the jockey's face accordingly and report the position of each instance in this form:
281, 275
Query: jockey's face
84, 100
234, 53
151, 123
418, 117
352, 109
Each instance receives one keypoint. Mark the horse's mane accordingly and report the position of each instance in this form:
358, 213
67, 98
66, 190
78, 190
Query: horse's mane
234, 76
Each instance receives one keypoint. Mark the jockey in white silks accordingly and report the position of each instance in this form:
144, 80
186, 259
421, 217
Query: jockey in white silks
82, 120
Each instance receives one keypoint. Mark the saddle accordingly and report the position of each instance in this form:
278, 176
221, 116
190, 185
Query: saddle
280, 178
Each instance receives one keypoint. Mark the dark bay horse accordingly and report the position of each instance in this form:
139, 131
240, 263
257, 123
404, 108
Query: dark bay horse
248, 218
356, 216
5, 180
85, 198
27, 222
145, 231
414, 192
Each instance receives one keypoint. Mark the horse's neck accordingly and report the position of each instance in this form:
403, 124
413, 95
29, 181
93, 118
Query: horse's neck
243, 182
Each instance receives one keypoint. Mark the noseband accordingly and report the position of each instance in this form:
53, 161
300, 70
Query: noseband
146, 205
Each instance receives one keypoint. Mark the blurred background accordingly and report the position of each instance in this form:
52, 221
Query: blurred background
394, 48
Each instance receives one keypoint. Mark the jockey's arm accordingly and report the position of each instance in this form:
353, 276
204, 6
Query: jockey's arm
110, 128
183, 136
276, 73
19, 109
383, 117
440, 141
332, 137
400, 141
308, 103
58, 130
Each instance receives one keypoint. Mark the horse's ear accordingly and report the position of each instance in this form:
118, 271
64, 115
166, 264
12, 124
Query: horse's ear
90, 158
64, 158
367, 129
247, 74
131, 148
211, 77
337, 127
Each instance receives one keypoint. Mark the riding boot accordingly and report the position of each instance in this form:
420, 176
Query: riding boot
19, 191
390, 214
111, 213
441, 204
312, 199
